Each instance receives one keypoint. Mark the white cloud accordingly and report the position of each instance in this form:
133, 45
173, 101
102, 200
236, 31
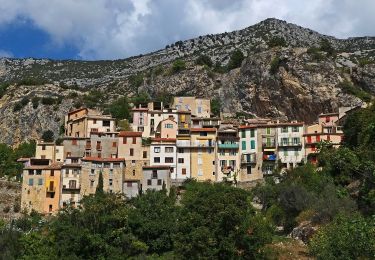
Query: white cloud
109, 29
5, 54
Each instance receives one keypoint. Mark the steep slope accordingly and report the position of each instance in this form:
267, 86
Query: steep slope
292, 81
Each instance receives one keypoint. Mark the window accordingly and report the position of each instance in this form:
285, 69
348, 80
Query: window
31, 172
180, 150
200, 172
94, 121
284, 141
110, 171
40, 181
31, 182
223, 163
149, 182
156, 159
309, 139
252, 133
180, 160
133, 162
43, 147
248, 170
38, 172
52, 173
252, 144
144, 154
243, 145
159, 182
133, 172
91, 183
68, 154
168, 159
74, 142
154, 174
295, 129
243, 134
50, 208
106, 123
152, 121
199, 110
296, 140
156, 149
107, 165
203, 133
124, 140
72, 184
131, 152
42, 157
168, 125
232, 152
200, 161
318, 138
328, 119
114, 144
110, 182
169, 149
222, 152
99, 155
134, 140
268, 130
284, 129
183, 171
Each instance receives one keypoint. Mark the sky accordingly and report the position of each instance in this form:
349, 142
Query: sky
116, 29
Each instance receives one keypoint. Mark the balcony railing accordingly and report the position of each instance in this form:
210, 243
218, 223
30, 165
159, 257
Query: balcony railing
194, 144
269, 144
286, 144
72, 188
228, 146
248, 158
51, 189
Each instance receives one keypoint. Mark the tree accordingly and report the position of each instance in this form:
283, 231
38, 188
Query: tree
48, 136
120, 108
216, 106
178, 65
277, 41
345, 238
325, 45
141, 98
99, 187
235, 60
204, 60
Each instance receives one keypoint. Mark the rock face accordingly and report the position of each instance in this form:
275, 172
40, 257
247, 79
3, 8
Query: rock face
293, 81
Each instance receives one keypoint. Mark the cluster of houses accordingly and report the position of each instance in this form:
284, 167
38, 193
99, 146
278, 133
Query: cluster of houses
166, 146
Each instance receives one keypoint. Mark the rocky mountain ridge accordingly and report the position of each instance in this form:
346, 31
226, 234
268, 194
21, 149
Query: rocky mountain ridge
292, 79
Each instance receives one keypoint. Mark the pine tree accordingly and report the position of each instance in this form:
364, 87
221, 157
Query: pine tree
99, 188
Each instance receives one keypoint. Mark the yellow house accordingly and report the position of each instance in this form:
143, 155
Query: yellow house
199, 107
50, 151
41, 186
203, 153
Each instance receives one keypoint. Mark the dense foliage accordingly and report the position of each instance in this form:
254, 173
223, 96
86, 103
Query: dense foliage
210, 221
8, 158
235, 60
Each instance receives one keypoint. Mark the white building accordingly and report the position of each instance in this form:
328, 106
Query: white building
163, 152
70, 183
183, 170
290, 144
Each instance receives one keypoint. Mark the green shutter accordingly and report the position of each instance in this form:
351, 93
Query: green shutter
243, 145
243, 134
252, 144
252, 133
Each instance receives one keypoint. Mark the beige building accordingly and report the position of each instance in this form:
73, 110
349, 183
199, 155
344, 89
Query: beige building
156, 177
41, 186
199, 107
50, 151
82, 122
203, 153
167, 128
228, 163
112, 170
135, 153
70, 183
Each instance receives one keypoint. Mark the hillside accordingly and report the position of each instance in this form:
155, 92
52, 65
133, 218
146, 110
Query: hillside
286, 74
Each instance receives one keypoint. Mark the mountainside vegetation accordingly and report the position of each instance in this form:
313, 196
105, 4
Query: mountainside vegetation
271, 69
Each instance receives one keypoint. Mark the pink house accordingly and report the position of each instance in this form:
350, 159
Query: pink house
167, 128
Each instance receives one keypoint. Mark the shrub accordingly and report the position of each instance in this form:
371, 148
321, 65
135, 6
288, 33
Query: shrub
17, 206
326, 46
315, 53
235, 60
136, 81
47, 101
6, 209
48, 136
275, 63
32, 82
120, 108
215, 106
35, 102
3, 89
277, 41
351, 89
204, 60
178, 65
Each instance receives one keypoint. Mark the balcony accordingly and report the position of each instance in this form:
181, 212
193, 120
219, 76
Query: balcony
51, 189
269, 157
249, 159
182, 143
88, 146
228, 146
290, 144
72, 188
269, 144
226, 169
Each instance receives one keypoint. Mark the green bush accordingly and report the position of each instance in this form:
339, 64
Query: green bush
48, 101
345, 238
275, 64
136, 81
178, 65
351, 89
120, 108
3, 89
48, 136
32, 82
204, 60
35, 102
215, 106
315, 53
277, 41
326, 46
235, 60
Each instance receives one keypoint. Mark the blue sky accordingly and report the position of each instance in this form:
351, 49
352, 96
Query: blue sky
115, 29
